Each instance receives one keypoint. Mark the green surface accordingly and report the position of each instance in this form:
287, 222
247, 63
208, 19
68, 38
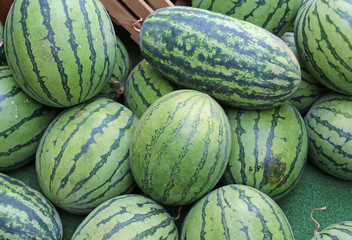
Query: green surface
315, 189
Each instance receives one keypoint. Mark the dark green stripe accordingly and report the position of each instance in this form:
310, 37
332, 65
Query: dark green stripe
204, 217
241, 154
219, 195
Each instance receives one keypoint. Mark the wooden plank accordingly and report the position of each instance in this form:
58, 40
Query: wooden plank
160, 3
139, 7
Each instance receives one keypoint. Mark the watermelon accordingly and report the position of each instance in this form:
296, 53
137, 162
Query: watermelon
322, 35
269, 149
341, 230
83, 157
181, 147
236, 212
23, 122
274, 16
309, 89
329, 127
25, 213
236, 62
129, 216
61, 53
143, 86
114, 88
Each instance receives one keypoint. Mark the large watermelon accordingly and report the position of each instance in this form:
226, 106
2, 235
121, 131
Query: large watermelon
329, 126
25, 213
83, 156
275, 16
23, 122
143, 86
128, 216
323, 33
269, 149
61, 53
236, 212
337, 231
181, 147
236, 62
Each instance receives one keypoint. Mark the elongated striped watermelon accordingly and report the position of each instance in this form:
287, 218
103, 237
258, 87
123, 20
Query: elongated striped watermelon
236, 212
83, 156
341, 230
236, 62
23, 122
61, 53
114, 88
329, 126
128, 216
322, 34
143, 86
25, 213
181, 147
274, 16
269, 149
309, 89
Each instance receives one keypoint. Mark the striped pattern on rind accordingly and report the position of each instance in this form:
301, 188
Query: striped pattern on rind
329, 126
322, 34
309, 89
180, 147
129, 216
274, 16
236, 212
341, 230
234, 61
61, 53
83, 156
114, 88
23, 122
269, 149
143, 86
25, 213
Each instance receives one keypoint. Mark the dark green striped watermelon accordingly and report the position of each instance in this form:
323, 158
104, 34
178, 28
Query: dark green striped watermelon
236, 212
309, 89
323, 38
269, 149
143, 86
274, 16
25, 213
236, 62
329, 126
128, 216
83, 156
61, 53
23, 122
337, 231
181, 147
114, 88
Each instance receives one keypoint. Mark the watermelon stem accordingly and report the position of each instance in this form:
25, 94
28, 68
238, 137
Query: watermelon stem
311, 216
178, 214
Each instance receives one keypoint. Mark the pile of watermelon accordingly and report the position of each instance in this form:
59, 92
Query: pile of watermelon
213, 119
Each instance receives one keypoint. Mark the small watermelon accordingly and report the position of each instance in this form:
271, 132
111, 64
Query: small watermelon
129, 216
236, 212
337, 231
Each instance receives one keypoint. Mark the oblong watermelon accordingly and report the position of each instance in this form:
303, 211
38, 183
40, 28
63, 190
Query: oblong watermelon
340, 230
61, 53
329, 127
25, 213
143, 86
23, 122
181, 147
236, 212
83, 157
275, 16
129, 216
269, 149
322, 33
236, 62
